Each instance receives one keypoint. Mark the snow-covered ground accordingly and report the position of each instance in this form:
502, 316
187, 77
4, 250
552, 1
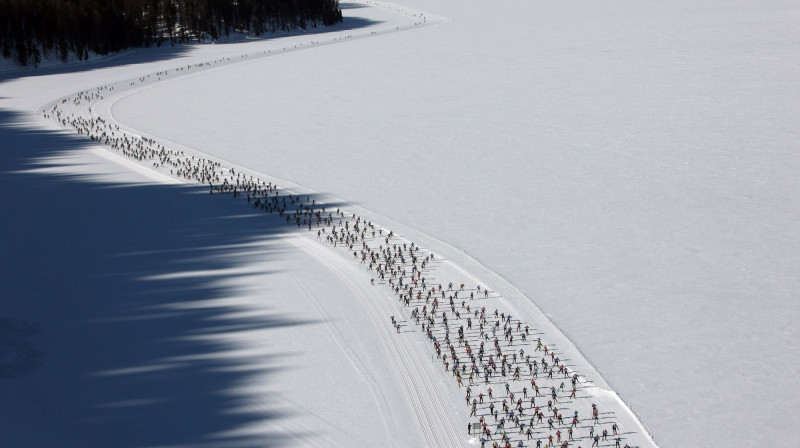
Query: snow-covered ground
138, 313
628, 168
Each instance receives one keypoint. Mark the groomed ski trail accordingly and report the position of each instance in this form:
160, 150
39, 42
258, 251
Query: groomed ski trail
433, 411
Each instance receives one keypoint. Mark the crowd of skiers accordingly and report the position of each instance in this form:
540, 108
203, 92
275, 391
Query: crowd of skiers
519, 390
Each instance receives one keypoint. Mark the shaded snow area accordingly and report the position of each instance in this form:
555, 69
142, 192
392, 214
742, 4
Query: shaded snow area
436, 224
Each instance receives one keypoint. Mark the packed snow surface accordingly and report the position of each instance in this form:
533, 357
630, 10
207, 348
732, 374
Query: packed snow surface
628, 168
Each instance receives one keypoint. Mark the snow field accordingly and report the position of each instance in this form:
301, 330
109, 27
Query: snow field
84, 112
655, 241
628, 167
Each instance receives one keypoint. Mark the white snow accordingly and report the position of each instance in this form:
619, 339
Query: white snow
628, 168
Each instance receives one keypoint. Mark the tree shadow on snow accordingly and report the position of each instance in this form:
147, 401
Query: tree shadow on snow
350, 5
131, 56
98, 347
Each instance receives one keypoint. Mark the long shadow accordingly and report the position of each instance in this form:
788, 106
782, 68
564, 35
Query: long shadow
131, 56
167, 51
97, 347
347, 5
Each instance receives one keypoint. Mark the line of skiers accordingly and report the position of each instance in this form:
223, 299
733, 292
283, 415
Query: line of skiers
465, 337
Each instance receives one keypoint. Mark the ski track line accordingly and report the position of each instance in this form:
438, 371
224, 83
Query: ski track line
337, 337
308, 435
333, 262
433, 412
411, 392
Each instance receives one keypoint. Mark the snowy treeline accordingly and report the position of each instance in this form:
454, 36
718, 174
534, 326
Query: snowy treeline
30, 30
